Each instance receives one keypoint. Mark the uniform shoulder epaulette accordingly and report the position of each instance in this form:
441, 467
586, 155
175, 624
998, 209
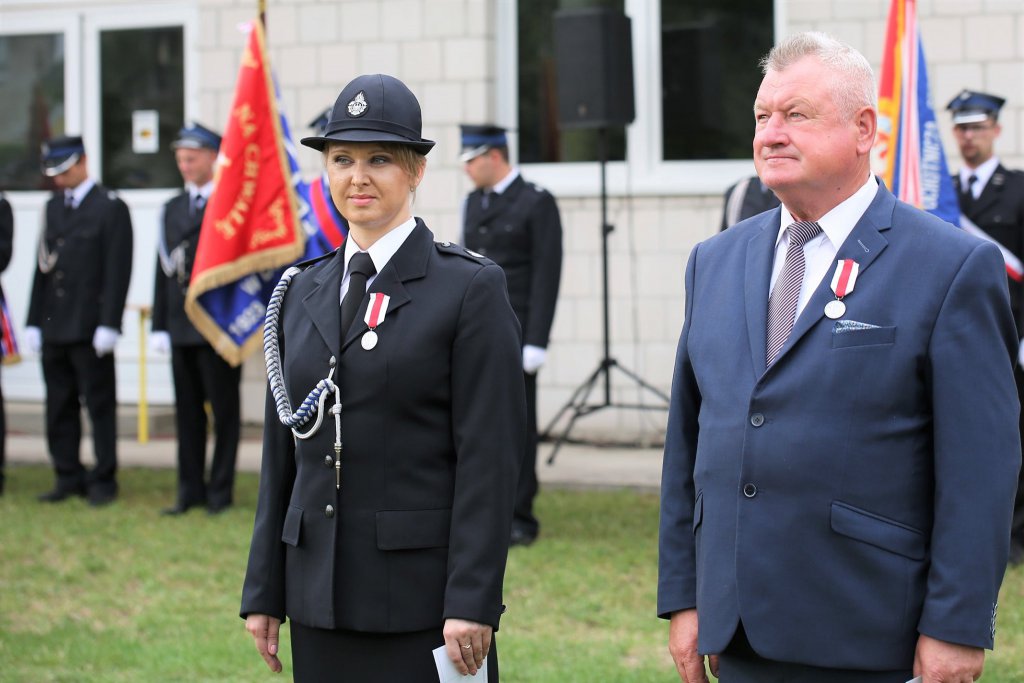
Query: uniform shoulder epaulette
459, 250
112, 195
537, 188
308, 263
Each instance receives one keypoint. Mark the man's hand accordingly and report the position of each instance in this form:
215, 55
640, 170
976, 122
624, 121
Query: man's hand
467, 644
265, 632
682, 645
937, 661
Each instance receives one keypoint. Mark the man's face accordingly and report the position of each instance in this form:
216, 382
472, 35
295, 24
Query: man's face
195, 165
482, 169
73, 177
805, 148
976, 140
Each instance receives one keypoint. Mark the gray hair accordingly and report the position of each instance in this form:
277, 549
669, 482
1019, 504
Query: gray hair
852, 81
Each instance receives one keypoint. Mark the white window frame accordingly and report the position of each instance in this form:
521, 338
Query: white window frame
644, 173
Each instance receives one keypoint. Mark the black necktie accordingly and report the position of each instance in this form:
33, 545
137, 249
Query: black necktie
967, 198
485, 199
197, 204
360, 268
69, 202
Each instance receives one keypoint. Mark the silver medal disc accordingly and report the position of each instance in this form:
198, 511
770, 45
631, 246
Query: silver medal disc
835, 309
369, 340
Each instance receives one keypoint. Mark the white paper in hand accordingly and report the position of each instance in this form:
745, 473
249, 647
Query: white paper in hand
447, 673
915, 680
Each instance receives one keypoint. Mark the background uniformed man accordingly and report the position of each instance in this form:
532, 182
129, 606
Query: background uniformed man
746, 198
200, 374
516, 224
992, 197
6, 244
74, 318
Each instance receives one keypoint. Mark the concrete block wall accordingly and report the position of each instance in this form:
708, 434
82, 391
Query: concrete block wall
445, 51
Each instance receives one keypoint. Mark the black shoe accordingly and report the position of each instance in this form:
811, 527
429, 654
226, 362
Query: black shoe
520, 537
176, 509
58, 495
217, 508
101, 498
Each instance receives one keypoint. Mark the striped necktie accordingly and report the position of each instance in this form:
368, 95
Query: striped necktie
784, 297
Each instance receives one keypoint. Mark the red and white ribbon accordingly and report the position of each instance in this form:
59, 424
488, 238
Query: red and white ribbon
845, 277
377, 309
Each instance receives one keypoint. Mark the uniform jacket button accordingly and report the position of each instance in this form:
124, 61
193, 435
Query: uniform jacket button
329, 511
749, 490
328, 461
757, 419
60, 292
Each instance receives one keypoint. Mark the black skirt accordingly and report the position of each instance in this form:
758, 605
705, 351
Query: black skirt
341, 656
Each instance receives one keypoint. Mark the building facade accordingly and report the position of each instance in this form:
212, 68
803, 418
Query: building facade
113, 70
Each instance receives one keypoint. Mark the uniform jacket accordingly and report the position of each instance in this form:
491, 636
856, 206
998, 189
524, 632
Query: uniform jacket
859, 491
754, 197
6, 240
180, 231
433, 428
88, 283
521, 232
999, 211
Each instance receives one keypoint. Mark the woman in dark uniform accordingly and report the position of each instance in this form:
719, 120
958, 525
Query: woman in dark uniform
385, 502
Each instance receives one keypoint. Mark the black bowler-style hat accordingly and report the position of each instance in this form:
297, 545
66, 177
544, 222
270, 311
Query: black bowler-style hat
196, 136
374, 108
974, 107
60, 154
478, 139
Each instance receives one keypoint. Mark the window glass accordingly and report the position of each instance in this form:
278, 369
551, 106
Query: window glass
541, 139
32, 90
709, 67
142, 80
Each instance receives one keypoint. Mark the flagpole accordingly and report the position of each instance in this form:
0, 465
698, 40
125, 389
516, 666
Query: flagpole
263, 14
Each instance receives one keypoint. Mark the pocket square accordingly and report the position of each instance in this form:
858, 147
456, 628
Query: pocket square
843, 326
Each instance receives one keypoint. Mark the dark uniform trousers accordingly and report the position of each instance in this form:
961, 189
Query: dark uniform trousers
999, 211
6, 244
200, 374
72, 371
83, 287
521, 231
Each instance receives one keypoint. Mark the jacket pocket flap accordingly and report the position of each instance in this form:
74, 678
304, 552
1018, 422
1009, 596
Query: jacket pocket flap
411, 529
292, 525
878, 531
874, 336
698, 511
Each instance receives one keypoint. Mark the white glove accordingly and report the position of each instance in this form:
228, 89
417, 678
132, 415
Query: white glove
104, 340
33, 339
533, 358
160, 342
1020, 352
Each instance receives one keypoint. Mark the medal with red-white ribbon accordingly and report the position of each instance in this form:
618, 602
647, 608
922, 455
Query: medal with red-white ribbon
843, 281
375, 312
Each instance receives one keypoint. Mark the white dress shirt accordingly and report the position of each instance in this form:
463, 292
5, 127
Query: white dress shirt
77, 194
820, 252
983, 174
380, 253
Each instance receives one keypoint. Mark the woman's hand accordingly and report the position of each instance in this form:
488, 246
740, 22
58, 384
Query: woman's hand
467, 644
265, 632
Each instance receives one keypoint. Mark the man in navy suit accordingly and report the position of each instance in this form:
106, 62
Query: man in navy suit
842, 447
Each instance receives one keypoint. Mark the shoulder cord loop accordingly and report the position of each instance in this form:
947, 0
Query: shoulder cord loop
314, 402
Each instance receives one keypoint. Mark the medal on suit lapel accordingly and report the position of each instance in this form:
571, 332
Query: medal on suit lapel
843, 281
375, 312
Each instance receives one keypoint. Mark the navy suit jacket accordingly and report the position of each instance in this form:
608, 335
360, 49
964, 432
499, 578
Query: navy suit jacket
859, 491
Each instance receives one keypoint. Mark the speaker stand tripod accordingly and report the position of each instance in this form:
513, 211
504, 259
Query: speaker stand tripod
578, 404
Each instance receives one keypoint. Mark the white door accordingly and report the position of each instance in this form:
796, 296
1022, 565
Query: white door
118, 67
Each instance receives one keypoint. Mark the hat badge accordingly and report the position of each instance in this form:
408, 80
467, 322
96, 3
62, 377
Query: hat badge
358, 106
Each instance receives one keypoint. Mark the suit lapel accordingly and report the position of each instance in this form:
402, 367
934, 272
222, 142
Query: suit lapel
758, 274
864, 244
323, 303
408, 263
498, 201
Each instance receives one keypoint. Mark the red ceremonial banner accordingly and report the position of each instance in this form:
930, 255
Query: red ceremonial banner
251, 223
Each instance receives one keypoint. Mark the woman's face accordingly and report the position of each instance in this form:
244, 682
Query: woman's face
370, 188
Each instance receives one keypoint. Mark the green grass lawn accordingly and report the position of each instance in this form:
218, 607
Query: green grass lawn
123, 594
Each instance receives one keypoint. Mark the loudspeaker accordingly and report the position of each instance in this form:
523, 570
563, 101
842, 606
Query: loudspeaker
594, 63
